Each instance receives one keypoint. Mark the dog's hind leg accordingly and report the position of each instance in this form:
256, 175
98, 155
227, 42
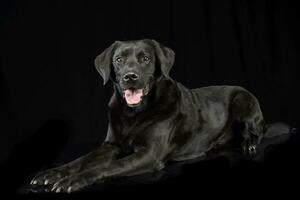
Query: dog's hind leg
247, 114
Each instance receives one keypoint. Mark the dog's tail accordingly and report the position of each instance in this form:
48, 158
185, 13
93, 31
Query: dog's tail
276, 134
278, 129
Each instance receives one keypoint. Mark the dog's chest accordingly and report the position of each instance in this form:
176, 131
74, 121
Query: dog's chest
132, 135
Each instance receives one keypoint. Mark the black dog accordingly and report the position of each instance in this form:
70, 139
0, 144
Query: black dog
154, 119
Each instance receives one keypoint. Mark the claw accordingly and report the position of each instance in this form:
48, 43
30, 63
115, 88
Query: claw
55, 185
69, 189
46, 182
53, 188
57, 190
252, 149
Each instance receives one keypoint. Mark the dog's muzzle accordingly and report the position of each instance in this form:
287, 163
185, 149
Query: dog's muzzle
134, 97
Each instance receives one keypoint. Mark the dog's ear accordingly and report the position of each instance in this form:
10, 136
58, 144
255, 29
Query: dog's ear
103, 62
165, 55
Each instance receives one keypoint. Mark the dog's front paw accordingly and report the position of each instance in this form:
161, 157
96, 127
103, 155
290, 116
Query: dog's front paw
71, 184
47, 177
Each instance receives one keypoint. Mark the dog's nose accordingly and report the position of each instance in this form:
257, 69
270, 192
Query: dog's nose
130, 76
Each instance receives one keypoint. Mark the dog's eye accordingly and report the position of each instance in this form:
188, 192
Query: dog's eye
146, 59
119, 60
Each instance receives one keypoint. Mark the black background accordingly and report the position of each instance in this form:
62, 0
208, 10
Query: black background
53, 104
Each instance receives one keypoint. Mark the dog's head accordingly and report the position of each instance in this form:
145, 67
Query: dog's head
134, 66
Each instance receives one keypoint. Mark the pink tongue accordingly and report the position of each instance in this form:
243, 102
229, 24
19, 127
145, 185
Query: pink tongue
133, 96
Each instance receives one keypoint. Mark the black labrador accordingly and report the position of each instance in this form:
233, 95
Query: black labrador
154, 119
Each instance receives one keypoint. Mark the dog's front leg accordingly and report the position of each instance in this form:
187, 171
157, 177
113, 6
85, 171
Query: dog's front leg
137, 163
100, 157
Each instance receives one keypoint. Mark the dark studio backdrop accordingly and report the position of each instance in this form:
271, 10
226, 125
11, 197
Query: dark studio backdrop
53, 103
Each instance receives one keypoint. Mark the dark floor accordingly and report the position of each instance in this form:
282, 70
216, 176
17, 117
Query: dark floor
277, 167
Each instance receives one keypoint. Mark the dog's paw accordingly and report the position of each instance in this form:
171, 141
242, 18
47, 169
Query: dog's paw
70, 184
47, 177
250, 147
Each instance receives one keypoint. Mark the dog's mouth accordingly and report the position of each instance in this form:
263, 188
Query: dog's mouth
134, 96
